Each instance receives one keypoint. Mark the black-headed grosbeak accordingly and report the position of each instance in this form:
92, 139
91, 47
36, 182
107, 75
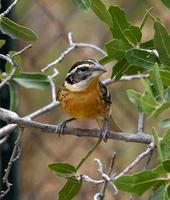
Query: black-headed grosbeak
84, 96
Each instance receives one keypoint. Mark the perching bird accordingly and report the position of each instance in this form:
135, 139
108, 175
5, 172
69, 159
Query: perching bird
84, 96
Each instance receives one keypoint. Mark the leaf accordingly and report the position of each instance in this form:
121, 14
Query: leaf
158, 143
160, 194
70, 189
133, 34
118, 69
14, 96
165, 123
137, 183
62, 168
16, 31
122, 28
148, 103
159, 109
82, 4
147, 86
159, 170
2, 42
32, 80
100, 10
141, 58
156, 80
165, 76
105, 60
166, 3
116, 48
120, 23
134, 97
147, 45
166, 165
162, 43
165, 145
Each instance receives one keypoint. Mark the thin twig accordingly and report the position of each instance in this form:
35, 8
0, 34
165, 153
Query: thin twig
136, 161
22, 50
104, 186
14, 156
140, 129
9, 8
11, 59
125, 78
73, 45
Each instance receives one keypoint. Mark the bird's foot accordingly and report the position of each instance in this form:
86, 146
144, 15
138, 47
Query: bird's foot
61, 126
104, 134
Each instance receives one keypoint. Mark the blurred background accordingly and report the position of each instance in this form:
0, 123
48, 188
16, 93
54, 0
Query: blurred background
52, 20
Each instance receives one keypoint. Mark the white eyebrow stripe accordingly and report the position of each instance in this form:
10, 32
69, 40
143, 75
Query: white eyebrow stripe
75, 69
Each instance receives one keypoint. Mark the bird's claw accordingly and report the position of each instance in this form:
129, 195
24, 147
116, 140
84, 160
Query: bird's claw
60, 128
104, 134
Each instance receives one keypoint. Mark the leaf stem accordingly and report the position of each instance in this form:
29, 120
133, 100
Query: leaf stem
145, 17
89, 153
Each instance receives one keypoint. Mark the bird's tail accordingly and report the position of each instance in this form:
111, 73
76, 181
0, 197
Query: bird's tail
112, 124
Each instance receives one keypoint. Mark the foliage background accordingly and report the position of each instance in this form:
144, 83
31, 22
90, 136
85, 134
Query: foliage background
52, 20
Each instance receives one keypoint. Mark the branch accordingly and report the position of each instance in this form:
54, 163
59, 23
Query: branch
11, 59
125, 78
14, 156
73, 45
150, 148
48, 128
9, 8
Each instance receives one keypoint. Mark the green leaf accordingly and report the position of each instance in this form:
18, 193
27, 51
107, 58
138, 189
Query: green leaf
70, 189
156, 80
162, 43
118, 69
158, 144
147, 45
166, 165
2, 42
9, 67
147, 86
160, 194
122, 29
116, 48
159, 109
16, 31
148, 103
165, 76
82, 4
133, 34
105, 60
134, 97
120, 23
138, 183
14, 96
165, 123
141, 58
159, 170
165, 144
166, 3
100, 10
62, 168
32, 80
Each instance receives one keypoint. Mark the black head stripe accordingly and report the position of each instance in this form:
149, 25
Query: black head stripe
89, 61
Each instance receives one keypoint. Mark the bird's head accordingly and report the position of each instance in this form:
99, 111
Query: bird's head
82, 74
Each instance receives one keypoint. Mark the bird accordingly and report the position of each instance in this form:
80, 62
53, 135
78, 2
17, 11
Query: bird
84, 96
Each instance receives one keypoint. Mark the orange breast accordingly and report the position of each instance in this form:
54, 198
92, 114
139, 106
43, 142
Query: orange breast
84, 105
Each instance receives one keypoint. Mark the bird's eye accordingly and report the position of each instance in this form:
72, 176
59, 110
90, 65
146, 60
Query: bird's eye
83, 69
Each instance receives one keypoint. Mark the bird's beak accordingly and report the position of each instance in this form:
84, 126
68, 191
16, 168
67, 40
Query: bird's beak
99, 68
